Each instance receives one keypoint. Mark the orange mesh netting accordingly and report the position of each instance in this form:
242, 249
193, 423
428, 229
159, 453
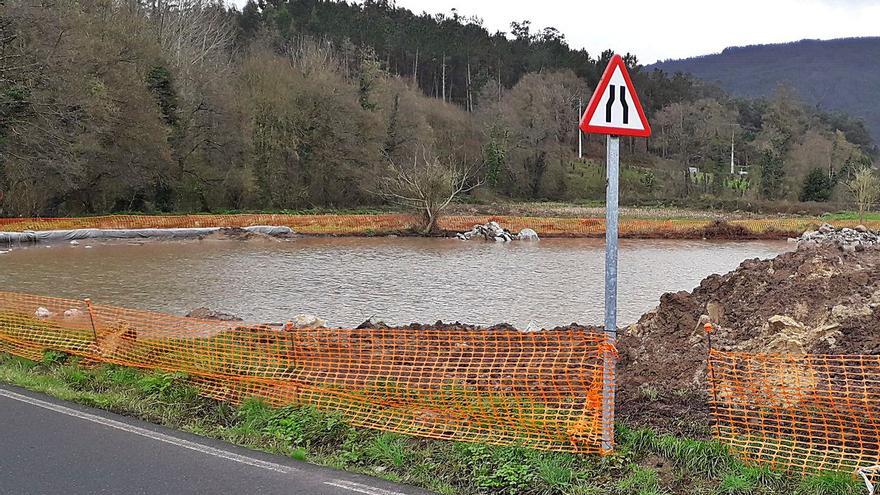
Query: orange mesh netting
306, 224
539, 389
398, 222
804, 413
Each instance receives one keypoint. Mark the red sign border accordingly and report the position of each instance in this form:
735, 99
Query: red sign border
616, 61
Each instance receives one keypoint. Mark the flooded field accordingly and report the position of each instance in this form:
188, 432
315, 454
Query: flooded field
397, 280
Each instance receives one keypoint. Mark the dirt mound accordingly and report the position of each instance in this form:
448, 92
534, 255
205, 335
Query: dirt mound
239, 234
813, 300
457, 326
720, 229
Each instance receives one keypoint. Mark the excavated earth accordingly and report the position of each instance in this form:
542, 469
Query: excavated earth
817, 299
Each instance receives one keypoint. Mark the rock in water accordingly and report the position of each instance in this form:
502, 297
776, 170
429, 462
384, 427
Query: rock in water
527, 235
308, 321
531, 328
494, 232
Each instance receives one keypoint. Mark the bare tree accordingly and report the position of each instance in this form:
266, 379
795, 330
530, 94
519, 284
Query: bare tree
428, 185
865, 188
195, 35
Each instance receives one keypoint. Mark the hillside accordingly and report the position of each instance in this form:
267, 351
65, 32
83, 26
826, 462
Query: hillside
298, 104
835, 75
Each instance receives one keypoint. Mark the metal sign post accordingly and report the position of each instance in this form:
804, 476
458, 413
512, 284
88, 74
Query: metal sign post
609, 360
610, 112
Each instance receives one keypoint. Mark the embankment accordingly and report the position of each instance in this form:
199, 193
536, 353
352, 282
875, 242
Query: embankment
404, 224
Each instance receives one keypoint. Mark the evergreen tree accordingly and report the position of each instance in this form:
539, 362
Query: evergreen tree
159, 83
817, 186
772, 174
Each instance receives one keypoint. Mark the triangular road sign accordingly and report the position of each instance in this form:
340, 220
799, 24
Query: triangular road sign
615, 107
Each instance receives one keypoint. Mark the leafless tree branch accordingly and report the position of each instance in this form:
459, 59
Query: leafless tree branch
428, 185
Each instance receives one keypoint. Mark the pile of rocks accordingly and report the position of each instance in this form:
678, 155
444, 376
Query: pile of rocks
494, 232
298, 321
851, 240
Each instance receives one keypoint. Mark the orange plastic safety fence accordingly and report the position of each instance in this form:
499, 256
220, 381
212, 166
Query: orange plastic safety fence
306, 224
802, 413
398, 222
539, 389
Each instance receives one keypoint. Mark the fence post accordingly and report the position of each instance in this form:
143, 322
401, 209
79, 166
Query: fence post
711, 369
88, 302
709, 330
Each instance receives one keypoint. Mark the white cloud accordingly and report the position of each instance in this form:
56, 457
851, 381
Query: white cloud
655, 29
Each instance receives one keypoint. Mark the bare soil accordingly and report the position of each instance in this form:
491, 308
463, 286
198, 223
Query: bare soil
813, 300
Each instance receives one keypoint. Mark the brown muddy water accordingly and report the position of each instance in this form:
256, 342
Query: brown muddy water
397, 280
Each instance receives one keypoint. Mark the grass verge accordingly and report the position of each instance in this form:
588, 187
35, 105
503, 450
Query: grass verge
644, 463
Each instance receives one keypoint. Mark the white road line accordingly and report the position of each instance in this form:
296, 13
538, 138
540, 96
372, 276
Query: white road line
161, 437
359, 488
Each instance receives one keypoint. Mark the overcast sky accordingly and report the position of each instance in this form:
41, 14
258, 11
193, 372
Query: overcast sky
662, 29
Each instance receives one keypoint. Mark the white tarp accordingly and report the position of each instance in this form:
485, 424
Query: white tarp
78, 234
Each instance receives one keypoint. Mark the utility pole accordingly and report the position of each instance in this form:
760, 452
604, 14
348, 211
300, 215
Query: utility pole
732, 163
580, 132
443, 91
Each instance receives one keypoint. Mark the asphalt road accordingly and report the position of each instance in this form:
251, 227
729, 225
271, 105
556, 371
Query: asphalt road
49, 446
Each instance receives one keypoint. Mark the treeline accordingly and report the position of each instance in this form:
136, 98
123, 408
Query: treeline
452, 57
191, 106
764, 149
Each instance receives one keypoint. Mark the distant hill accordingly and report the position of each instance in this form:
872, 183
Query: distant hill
835, 75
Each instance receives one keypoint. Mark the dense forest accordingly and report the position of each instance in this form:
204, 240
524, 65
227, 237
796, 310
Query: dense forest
835, 75
189, 105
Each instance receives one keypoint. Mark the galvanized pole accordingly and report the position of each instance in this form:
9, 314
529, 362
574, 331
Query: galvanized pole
609, 359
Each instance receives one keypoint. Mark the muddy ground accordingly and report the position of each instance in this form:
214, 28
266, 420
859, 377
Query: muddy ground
813, 300
239, 234
717, 230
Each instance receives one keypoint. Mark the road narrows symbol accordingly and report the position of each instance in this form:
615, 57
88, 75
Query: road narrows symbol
609, 105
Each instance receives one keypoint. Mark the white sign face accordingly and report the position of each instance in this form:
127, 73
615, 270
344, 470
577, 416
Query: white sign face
616, 107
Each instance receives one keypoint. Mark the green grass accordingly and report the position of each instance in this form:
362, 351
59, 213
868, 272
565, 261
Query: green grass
830, 484
306, 434
640, 481
850, 216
